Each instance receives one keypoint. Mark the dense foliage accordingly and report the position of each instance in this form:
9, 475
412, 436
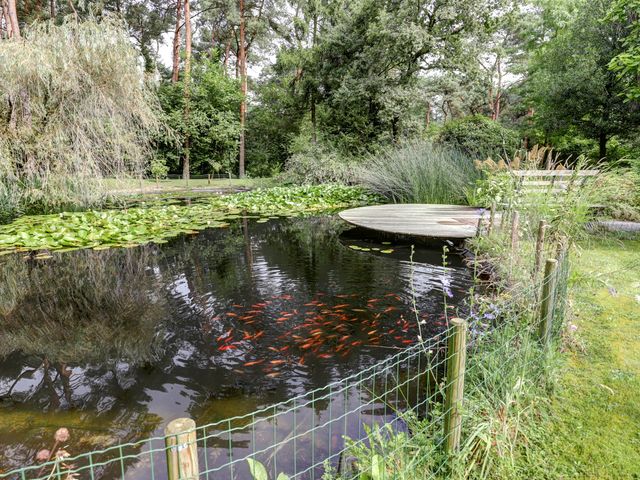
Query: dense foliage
212, 125
479, 137
323, 86
73, 109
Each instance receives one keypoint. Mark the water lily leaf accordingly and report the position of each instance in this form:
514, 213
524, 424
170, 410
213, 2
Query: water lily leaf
162, 220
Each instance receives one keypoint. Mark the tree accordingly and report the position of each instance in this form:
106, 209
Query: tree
626, 64
250, 22
175, 71
370, 60
74, 108
187, 87
571, 85
212, 125
10, 12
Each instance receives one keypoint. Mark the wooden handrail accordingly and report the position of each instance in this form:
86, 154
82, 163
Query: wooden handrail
555, 173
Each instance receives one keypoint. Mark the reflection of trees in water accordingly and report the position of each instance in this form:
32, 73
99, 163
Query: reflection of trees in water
73, 328
85, 307
95, 308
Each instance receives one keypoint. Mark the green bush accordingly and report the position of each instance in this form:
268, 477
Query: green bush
479, 137
619, 193
419, 172
318, 164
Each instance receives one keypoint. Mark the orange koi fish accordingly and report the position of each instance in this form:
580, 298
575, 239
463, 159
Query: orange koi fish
224, 348
224, 335
255, 362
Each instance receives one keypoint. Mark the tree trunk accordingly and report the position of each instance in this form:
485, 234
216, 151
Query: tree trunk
242, 64
227, 51
187, 85
314, 123
13, 19
52, 9
176, 43
602, 145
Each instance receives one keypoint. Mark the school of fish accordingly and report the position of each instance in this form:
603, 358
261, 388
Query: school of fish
323, 328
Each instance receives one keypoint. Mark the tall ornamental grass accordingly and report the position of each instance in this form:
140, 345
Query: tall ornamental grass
74, 109
419, 172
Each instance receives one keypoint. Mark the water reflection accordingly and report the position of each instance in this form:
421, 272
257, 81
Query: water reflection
113, 344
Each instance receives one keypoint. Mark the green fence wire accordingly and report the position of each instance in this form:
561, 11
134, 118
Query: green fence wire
305, 436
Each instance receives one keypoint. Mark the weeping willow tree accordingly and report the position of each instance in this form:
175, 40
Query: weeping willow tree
74, 110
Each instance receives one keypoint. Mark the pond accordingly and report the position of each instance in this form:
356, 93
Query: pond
114, 344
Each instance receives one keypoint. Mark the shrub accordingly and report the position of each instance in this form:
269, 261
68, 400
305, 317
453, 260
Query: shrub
419, 172
619, 192
318, 164
479, 137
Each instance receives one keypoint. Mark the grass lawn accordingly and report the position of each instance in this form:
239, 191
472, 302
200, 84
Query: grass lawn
594, 428
133, 186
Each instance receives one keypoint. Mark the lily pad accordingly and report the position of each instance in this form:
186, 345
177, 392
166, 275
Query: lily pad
159, 221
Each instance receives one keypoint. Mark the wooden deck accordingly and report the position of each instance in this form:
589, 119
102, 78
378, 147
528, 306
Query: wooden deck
416, 219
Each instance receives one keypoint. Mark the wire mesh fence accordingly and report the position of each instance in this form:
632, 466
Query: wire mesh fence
325, 430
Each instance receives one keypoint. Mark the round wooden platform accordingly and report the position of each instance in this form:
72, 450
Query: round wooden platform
417, 219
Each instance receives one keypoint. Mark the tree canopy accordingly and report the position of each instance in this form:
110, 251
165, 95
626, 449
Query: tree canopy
249, 84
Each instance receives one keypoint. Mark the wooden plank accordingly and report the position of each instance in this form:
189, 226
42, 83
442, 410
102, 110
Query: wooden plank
555, 173
423, 220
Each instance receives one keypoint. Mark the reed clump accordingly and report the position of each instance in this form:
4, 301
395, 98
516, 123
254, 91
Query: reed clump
420, 172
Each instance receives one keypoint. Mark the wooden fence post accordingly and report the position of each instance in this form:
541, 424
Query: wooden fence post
515, 220
479, 225
492, 217
182, 449
547, 303
454, 396
542, 229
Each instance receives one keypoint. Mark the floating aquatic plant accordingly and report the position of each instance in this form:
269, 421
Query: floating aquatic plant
102, 229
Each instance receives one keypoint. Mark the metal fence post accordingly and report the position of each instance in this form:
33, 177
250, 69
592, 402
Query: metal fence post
547, 303
456, 360
182, 449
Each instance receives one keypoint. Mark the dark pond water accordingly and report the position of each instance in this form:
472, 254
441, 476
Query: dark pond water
114, 344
